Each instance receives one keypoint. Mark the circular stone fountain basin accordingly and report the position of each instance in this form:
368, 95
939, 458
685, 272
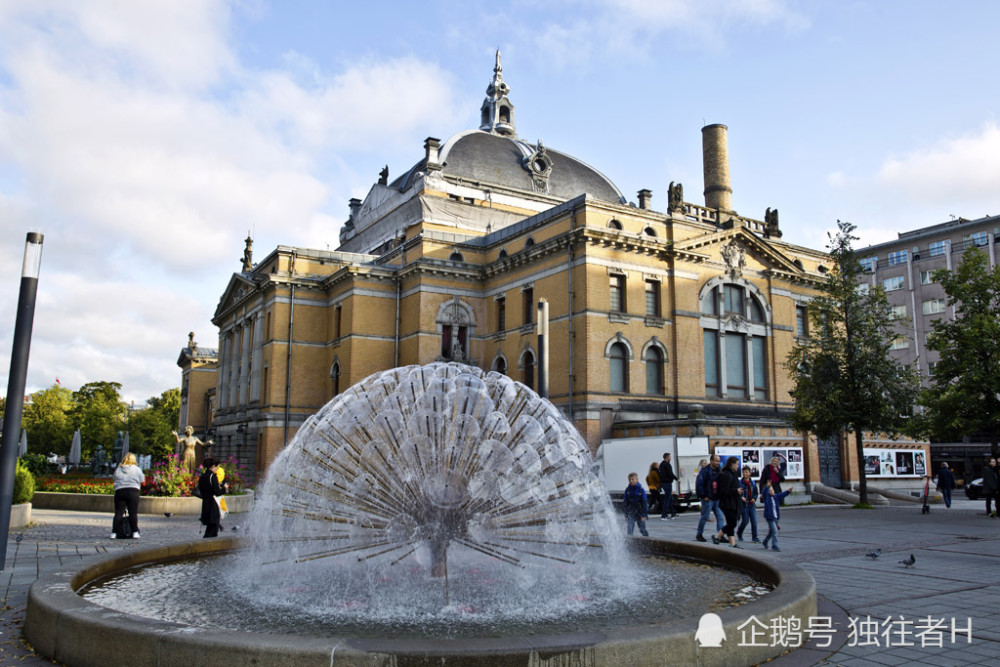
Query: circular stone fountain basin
65, 627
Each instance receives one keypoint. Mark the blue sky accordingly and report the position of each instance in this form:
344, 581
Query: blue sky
145, 139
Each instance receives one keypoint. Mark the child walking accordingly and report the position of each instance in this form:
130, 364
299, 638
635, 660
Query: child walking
772, 512
636, 505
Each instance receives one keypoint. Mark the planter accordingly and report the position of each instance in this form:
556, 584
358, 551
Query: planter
20, 516
90, 502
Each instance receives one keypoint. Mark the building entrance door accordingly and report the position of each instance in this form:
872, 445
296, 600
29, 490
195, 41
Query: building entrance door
829, 461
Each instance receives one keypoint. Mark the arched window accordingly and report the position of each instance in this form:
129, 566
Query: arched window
649, 231
502, 254
618, 368
456, 257
653, 359
500, 365
455, 321
335, 376
528, 368
615, 225
529, 243
735, 321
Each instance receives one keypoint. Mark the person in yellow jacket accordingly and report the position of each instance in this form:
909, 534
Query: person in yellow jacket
653, 483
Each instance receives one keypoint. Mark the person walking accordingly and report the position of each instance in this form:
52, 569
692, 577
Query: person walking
729, 501
772, 513
945, 483
210, 489
636, 505
772, 472
748, 494
653, 484
127, 480
667, 479
991, 486
706, 486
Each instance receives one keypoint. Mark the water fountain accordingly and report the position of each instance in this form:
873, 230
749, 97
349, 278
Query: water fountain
421, 500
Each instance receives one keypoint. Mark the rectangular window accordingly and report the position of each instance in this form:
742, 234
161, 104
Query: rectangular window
734, 299
736, 366
759, 367
337, 320
711, 363
977, 239
937, 248
653, 298
897, 312
931, 365
900, 343
501, 313
528, 305
898, 257
446, 341
933, 306
617, 303
894, 283
801, 321
869, 264
926, 277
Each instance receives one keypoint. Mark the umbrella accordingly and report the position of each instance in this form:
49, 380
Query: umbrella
22, 448
74, 450
125, 446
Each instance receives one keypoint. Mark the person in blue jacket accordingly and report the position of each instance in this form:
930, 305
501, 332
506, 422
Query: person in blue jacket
772, 512
706, 486
748, 492
636, 505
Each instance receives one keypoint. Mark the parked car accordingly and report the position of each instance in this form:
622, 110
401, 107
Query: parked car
974, 489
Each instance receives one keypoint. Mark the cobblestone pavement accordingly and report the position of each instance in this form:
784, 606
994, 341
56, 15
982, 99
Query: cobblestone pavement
957, 555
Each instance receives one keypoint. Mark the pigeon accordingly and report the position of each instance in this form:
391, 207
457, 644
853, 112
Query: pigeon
908, 562
236, 527
168, 514
20, 537
874, 554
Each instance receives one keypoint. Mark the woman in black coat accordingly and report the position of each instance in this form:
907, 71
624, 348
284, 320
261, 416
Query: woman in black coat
729, 500
210, 488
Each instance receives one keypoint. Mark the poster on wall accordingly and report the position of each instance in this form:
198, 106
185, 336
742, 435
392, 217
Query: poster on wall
895, 463
757, 458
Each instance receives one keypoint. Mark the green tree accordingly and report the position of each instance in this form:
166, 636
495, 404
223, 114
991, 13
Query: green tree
99, 413
845, 379
964, 393
46, 420
150, 428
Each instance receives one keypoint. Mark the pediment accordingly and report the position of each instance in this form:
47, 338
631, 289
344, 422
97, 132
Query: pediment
734, 246
239, 286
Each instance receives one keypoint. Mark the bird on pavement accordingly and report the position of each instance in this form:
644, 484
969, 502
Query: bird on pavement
168, 514
908, 562
874, 554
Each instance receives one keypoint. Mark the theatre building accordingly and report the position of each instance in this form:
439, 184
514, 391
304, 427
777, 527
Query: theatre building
661, 322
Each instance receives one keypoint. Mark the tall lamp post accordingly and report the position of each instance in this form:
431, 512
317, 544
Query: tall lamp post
16, 382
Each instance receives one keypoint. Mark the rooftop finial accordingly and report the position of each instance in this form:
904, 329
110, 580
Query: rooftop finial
497, 110
498, 67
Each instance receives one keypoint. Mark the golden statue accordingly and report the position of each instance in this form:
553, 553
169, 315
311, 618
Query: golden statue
186, 449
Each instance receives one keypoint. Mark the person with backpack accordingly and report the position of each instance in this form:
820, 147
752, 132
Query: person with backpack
127, 479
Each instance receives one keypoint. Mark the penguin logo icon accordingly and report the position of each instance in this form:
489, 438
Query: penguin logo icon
710, 632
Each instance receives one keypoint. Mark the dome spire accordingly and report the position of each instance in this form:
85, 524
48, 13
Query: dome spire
497, 110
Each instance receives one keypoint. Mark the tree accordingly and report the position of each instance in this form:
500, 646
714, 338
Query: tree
99, 413
45, 420
845, 379
964, 393
150, 428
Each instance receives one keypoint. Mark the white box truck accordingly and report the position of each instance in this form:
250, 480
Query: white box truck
618, 457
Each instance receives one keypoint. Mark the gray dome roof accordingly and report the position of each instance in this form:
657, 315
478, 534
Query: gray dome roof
489, 158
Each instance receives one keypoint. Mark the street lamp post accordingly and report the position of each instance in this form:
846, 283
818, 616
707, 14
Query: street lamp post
16, 382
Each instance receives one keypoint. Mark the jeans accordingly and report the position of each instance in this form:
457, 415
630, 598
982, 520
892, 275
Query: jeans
947, 497
667, 504
632, 519
749, 515
772, 533
707, 508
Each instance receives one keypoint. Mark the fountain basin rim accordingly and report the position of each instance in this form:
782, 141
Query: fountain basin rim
65, 627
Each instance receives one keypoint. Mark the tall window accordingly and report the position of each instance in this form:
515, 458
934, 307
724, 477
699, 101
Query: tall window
617, 303
338, 314
455, 319
528, 373
618, 370
501, 313
801, 321
528, 305
654, 370
653, 298
735, 340
500, 366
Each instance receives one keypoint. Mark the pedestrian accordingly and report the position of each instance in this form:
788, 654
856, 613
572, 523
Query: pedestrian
773, 472
991, 486
706, 486
749, 495
210, 488
636, 505
667, 479
772, 513
945, 483
127, 480
653, 484
729, 501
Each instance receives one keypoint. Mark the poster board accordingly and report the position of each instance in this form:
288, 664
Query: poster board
892, 463
756, 458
